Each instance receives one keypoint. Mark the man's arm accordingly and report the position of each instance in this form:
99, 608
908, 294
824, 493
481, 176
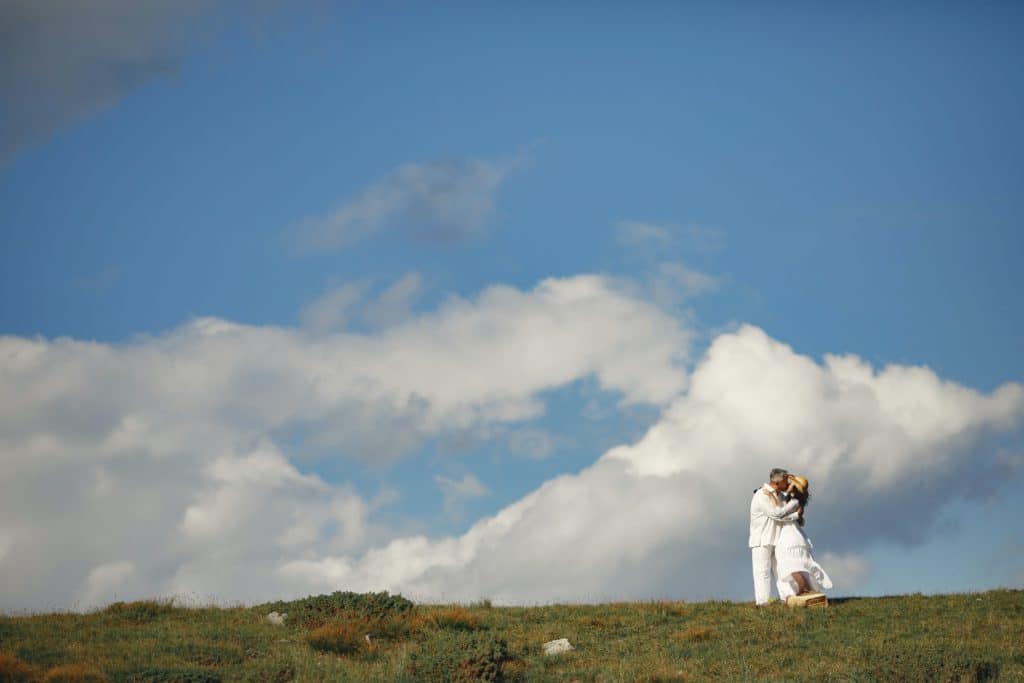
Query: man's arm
784, 513
791, 518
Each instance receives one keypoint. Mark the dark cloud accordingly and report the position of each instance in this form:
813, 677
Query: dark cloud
61, 60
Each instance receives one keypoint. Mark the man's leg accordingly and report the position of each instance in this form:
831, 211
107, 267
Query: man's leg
762, 558
775, 573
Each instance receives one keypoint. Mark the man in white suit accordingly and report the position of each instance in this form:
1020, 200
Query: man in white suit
768, 512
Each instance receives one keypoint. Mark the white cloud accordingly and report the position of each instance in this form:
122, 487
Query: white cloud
528, 441
439, 201
6, 541
469, 362
456, 492
674, 283
253, 510
884, 451
458, 489
332, 310
172, 445
394, 304
846, 571
111, 579
533, 443
633, 233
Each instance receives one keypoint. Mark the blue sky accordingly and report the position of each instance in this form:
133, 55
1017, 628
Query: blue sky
848, 178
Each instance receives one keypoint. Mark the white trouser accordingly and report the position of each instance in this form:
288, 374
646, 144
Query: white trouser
763, 560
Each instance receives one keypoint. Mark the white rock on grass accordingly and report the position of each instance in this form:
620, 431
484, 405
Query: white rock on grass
557, 647
277, 619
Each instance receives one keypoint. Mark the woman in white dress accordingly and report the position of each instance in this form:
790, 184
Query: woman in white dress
796, 569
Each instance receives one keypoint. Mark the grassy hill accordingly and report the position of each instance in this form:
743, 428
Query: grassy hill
965, 637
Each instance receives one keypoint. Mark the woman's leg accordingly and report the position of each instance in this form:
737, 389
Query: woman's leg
803, 582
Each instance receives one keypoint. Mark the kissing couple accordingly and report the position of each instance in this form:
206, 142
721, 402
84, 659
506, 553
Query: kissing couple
779, 547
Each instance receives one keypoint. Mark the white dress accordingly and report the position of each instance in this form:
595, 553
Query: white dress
793, 554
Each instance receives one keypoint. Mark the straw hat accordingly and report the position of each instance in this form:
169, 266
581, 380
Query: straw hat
799, 483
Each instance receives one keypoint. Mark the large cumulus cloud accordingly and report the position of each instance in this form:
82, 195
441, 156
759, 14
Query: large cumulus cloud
167, 463
885, 450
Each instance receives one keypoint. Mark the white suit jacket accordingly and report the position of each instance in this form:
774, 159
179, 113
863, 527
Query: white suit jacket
766, 518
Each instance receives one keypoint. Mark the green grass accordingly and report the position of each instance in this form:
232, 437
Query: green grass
963, 637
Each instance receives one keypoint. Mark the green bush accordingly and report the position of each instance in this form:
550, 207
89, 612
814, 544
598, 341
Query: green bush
317, 610
140, 612
460, 656
43, 654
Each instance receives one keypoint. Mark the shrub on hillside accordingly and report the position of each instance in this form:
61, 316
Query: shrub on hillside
460, 657
42, 654
317, 610
139, 612
14, 670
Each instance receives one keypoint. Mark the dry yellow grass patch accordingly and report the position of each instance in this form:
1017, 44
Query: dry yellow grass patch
457, 619
341, 637
696, 633
74, 673
14, 670
417, 623
611, 621
671, 607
